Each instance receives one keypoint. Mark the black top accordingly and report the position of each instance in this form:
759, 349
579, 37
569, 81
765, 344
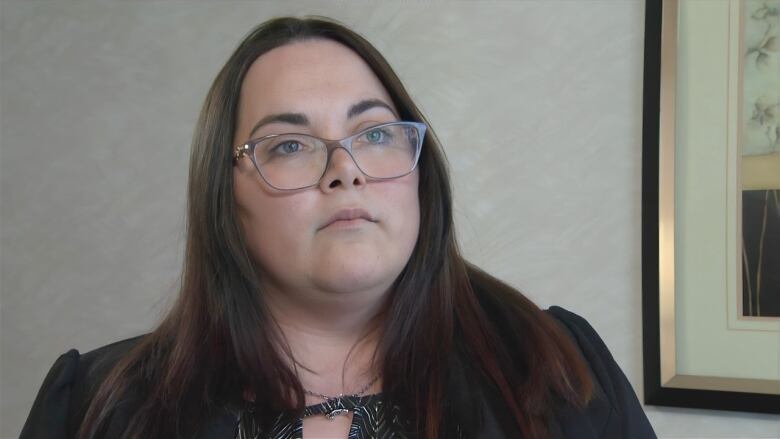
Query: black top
614, 412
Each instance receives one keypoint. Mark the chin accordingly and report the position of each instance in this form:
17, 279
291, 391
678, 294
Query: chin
354, 280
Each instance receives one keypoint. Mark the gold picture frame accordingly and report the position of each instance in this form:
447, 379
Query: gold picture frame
699, 348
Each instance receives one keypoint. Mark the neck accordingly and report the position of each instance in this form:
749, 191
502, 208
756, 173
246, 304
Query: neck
332, 338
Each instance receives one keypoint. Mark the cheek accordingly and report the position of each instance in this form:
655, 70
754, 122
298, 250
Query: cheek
413, 214
272, 225
406, 207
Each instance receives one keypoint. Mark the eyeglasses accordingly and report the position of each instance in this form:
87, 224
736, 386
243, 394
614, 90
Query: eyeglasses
298, 161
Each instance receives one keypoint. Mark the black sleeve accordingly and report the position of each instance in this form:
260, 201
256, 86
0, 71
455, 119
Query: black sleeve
68, 390
48, 418
627, 418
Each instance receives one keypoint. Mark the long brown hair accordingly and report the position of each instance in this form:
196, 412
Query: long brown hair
443, 319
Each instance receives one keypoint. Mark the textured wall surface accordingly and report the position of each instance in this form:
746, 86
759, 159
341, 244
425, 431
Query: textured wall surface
538, 105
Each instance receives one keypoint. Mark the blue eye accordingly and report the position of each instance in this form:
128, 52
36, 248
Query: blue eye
375, 136
289, 147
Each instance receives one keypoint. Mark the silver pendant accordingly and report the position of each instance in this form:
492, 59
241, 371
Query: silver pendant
336, 412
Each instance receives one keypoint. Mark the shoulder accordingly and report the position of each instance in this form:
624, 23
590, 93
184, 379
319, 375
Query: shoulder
615, 410
590, 344
97, 362
93, 367
68, 387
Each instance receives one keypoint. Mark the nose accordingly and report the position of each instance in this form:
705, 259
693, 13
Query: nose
341, 171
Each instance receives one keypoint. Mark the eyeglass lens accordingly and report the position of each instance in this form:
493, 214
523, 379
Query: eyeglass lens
294, 161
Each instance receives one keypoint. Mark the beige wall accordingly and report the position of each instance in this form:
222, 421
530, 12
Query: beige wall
537, 103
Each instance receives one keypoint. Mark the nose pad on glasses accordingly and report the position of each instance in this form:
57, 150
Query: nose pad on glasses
342, 170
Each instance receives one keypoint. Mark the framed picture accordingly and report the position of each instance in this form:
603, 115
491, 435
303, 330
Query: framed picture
710, 204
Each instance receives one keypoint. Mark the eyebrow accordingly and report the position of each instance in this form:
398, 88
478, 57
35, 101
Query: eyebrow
301, 119
366, 105
289, 118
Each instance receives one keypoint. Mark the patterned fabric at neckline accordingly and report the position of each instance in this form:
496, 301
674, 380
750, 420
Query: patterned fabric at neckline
371, 418
331, 407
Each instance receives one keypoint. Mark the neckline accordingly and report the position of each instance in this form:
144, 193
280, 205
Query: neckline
350, 403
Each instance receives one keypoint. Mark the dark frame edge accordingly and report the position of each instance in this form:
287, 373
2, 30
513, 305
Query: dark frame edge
651, 104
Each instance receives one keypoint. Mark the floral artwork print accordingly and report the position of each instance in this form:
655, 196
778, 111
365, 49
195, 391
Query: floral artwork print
760, 147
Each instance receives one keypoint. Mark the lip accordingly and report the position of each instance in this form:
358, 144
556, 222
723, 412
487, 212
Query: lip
348, 217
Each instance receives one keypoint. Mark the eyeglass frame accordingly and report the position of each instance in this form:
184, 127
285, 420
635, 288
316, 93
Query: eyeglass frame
248, 149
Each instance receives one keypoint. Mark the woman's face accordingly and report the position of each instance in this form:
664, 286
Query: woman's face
328, 91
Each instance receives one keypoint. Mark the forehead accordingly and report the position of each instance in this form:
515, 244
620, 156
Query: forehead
308, 73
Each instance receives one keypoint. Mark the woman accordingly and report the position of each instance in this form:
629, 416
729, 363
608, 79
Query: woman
323, 293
